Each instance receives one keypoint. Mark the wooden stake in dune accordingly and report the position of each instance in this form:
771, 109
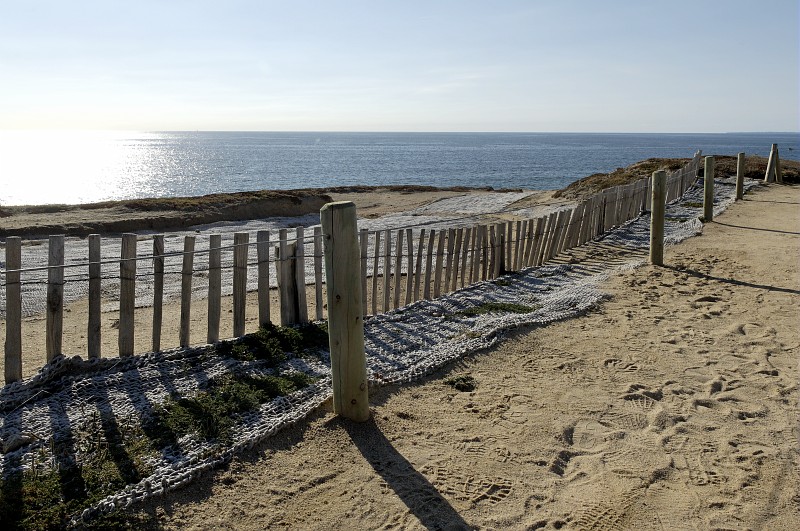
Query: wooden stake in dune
93, 325
770, 175
127, 294
708, 189
740, 176
55, 296
345, 321
262, 253
186, 291
318, 272
158, 289
657, 209
240, 242
13, 347
215, 286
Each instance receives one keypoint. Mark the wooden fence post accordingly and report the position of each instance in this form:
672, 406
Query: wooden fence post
778, 170
657, 209
300, 274
240, 242
740, 176
398, 264
437, 276
214, 286
426, 288
55, 296
93, 325
13, 346
345, 321
363, 236
410, 265
769, 176
186, 291
262, 255
465, 248
158, 289
127, 294
418, 264
387, 269
375, 266
708, 190
318, 272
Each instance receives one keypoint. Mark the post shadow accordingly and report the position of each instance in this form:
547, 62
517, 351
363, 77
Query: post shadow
705, 276
413, 489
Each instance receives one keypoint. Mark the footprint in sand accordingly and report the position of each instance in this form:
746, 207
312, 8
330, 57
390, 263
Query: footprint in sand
619, 365
588, 434
636, 455
464, 486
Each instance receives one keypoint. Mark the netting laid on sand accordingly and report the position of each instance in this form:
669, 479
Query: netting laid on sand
67, 398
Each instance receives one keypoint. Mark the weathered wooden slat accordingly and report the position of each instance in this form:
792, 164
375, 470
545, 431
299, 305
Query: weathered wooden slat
240, 242
55, 296
215, 285
448, 273
262, 256
375, 268
318, 304
95, 289
426, 289
127, 295
409, 266
187, 268
387, 270
465, 254
13, 346
158, 290
299, 265
518, 236
363, 241
398, 267
457, 258
437, 277
418, 266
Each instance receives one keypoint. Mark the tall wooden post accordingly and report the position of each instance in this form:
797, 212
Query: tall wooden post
93, 328
186, 291
345, 322
740, 176
13, 346
127, 294
657, 209
778, 171
708, 189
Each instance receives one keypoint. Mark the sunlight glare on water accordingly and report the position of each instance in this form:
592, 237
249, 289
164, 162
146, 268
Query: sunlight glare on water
48, 167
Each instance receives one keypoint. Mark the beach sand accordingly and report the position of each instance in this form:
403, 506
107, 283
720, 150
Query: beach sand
672, 405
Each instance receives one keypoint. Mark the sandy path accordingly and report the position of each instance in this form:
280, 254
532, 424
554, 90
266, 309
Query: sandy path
674, 405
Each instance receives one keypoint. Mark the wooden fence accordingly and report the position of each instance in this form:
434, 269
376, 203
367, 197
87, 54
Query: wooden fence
406, 264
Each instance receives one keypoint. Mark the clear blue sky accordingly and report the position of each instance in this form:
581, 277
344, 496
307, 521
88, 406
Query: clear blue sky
379, 65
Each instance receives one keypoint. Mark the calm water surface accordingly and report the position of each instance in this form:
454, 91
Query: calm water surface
81, 167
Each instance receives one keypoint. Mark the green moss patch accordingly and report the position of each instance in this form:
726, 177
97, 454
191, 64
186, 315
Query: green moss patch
271, 343
211, 414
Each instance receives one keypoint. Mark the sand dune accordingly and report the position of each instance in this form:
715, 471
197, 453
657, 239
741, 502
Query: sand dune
673, 405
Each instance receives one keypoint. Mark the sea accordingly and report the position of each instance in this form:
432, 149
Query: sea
47, 167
